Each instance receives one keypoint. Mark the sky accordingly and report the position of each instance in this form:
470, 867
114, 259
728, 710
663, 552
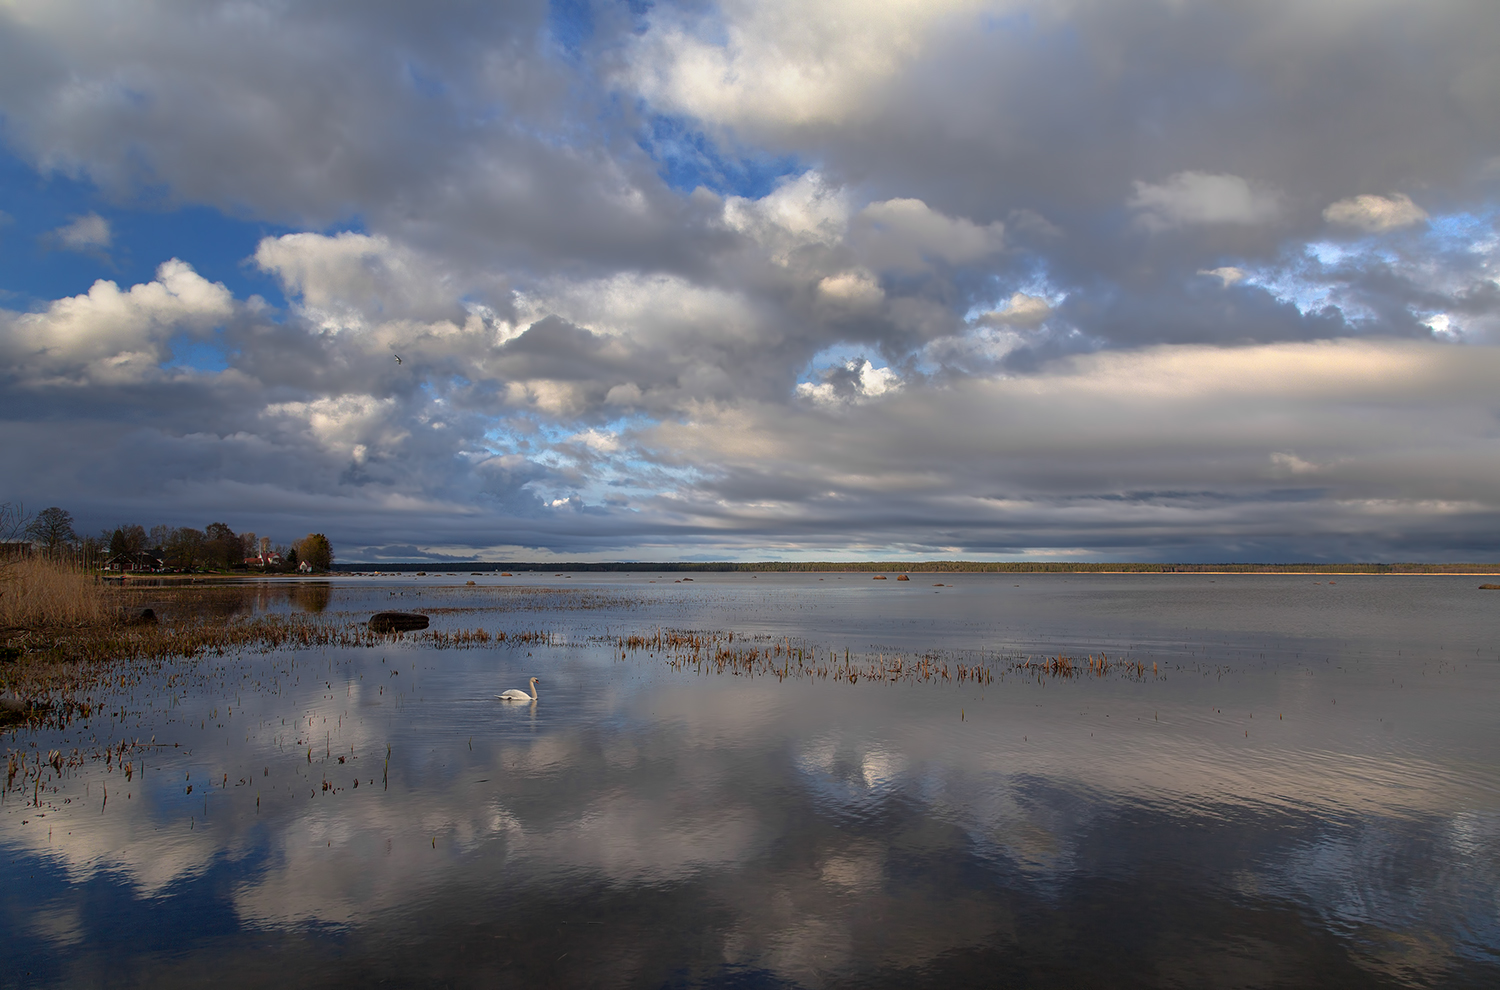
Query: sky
1168, 280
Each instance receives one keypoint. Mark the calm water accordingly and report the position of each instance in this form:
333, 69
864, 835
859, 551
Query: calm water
1306, 792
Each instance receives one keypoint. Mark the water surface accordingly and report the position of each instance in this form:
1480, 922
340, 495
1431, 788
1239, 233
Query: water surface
1301, 789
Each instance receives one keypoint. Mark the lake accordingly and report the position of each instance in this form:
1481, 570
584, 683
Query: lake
786, 780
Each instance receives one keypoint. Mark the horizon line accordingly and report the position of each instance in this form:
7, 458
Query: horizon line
933, 565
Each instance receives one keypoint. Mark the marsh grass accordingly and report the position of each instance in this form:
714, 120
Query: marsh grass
58, 669
719, 653
37, 594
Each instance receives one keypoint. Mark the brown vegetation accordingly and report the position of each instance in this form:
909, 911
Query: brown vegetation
718, 653
59, 676
64, 632
37, 594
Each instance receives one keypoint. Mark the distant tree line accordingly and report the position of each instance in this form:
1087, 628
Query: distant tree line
216, 547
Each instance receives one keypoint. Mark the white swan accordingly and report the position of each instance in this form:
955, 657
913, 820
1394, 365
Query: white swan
514, 695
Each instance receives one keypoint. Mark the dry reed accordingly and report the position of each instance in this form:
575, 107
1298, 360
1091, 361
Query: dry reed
37, 593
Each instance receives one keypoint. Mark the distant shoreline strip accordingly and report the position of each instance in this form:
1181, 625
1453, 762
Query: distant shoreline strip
915, 567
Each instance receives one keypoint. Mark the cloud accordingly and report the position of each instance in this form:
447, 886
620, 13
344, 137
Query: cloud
906, 234
1189, 198
1227, 274
800, 213
669, 223
761, 66
110, 335
351, 280
856, 289
348, 425
90, 232
1191, 440
1021, 311
853, 380
1292, 464
1375, 214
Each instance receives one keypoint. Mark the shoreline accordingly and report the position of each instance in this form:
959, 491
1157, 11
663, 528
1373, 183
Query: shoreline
1466, 569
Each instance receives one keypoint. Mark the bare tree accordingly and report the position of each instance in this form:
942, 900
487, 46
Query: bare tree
52, 529
93, 549
13, 522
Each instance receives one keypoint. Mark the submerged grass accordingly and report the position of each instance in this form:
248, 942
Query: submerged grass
718, 653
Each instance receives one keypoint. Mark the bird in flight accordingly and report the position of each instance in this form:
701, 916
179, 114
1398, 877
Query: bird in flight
397, 357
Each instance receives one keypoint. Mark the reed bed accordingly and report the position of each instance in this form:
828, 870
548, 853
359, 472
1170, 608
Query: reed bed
718, 653
37, 593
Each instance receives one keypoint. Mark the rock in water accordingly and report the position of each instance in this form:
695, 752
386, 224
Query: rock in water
384, 622
141, 617
18, 709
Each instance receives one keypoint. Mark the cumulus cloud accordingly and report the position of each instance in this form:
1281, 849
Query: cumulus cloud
1374, 214
781, 64
350, 280
1189, 198
341, 424
805, 212
853, 380
110, 335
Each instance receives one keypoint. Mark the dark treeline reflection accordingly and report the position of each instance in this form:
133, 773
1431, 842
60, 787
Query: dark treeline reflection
310, 596
214, 601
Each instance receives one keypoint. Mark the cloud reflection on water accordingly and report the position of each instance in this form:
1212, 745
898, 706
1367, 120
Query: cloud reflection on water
816, 830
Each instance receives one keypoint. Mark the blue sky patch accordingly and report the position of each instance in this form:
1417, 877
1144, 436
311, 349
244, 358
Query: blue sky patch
688, 158
38, 264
